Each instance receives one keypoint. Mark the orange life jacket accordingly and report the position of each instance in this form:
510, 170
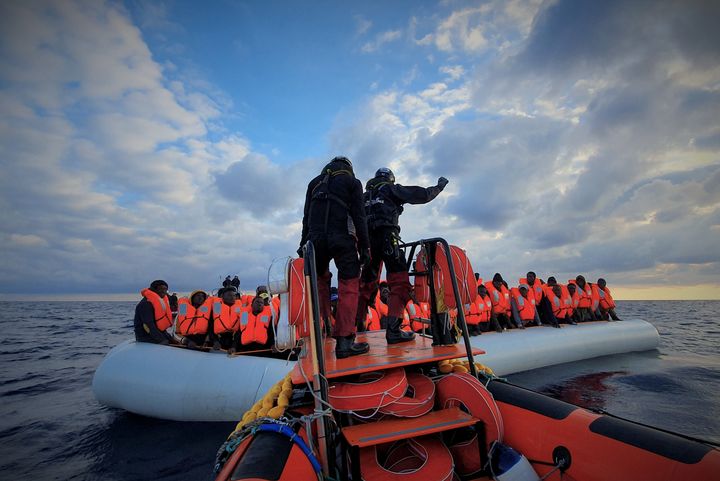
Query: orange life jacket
567, 300
559, 308
536, 290
254, 327
161, 308
414, 311
380, 306
191, 321
595, 297
246, 299
226, 318
500, 299
525, 306
584, 295
372, 320
606, 300
479, 311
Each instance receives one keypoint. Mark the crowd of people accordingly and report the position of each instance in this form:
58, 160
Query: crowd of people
233, 321
230, 320
360, 232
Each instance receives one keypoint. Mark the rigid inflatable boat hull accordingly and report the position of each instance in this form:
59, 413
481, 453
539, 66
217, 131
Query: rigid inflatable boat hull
520, 350
181, 384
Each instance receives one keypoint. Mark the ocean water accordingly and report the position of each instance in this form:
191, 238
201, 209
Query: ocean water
51, 426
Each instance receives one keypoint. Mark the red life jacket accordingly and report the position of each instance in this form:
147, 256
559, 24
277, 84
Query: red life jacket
500, 299
372, 320
226, 318
606, 300
246, 299
380, 306
191, 321
161, 309
254, 327
567, 300
525, 306
480, 310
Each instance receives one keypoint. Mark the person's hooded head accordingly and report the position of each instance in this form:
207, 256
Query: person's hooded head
523, 290
601, 283
197, 298
556, 290
580, 281
338, 164
482, 290
530, 276
497, 280
262, 292
571, 288
551, 281
159, 287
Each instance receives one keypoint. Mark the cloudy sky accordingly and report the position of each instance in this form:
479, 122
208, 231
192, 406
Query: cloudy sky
145, 140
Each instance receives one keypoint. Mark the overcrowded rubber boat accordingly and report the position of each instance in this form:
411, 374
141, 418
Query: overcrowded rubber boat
427, 410
207, 386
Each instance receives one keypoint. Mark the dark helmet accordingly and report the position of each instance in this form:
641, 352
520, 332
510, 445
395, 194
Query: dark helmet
345, 160
385, 173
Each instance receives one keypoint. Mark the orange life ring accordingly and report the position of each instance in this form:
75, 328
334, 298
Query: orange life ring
418, 459
442, 281
462, 389
297, 306
373, 390
420, 402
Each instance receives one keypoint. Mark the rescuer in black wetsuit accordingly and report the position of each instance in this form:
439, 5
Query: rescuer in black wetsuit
384, 201
334, 220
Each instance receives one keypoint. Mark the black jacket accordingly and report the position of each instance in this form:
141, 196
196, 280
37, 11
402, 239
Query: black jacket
384, 201
344, 203
145, 318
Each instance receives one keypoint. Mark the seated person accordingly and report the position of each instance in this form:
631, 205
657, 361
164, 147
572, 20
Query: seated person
193, 319
500, 299
523, 307
226, 314
372, 320
257, 329
153, 315
607, 304
583, 291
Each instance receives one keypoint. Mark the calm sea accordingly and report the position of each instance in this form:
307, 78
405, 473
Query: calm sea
51, 427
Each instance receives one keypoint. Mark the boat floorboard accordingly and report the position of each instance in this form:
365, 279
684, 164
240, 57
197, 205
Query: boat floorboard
381, 356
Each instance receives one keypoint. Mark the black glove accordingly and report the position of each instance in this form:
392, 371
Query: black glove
365, 257
442, 182
300, 252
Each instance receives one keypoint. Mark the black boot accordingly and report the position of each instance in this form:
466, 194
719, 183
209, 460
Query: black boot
346, 347
394, 334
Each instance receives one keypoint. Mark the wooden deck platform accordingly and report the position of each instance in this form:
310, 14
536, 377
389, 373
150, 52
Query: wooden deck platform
381, 356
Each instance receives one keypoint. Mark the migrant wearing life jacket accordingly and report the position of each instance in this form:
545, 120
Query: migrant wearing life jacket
226, 318
500, 299
567, 300
606, 300
254, 327
559, 308
525, 306
473, 311
536, 290
584, 295
372, 320
161, 308
191, 321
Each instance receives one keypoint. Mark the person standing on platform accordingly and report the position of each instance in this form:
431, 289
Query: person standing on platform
153, 314
384, 200
334, 220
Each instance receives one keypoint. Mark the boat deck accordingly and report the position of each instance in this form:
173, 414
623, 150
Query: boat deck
381, 356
